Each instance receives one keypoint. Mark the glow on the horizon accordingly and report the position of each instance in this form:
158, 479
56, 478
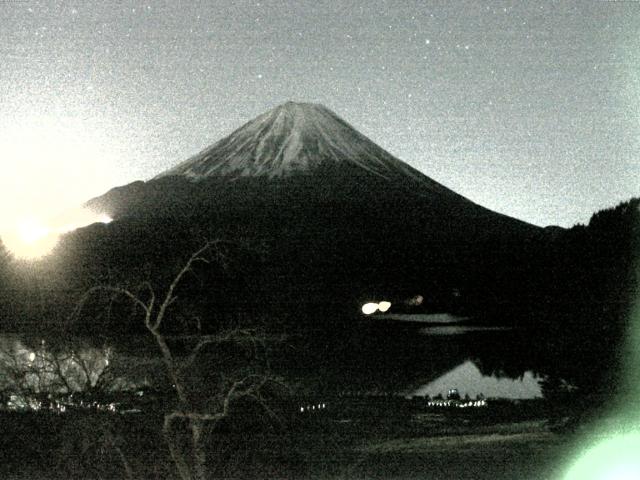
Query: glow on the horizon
31, 230
78, 218
50, 164
32, 238
29, 238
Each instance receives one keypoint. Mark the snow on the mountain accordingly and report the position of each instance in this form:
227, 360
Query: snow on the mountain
295, 138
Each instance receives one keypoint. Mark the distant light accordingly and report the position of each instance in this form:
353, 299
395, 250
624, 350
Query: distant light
369, 308
415, 301
32, 356
384, 306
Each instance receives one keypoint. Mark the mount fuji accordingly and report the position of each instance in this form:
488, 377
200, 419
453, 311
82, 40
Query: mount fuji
286, 147
336, 216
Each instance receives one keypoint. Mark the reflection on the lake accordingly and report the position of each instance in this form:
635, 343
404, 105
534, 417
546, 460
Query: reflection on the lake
469, 380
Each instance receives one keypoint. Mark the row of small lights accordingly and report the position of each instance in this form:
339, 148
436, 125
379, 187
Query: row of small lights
58, 407
478, 403
372, 307
309, 408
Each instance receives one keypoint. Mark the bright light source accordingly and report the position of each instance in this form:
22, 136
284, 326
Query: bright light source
369, 308
53, 161
384, 306
32, 357
32, 238
31, 230
28, 238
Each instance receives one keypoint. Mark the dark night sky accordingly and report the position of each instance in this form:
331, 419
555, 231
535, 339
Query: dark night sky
529, 108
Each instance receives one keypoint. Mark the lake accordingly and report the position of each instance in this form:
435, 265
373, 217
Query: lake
410, 361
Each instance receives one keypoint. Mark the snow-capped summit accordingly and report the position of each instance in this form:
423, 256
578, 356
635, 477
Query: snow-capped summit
290, 139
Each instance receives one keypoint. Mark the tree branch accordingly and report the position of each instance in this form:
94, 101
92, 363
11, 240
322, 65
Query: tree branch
147, 308
169, 297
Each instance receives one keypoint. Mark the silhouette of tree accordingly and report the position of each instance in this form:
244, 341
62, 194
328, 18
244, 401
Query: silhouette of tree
591, 275
249, 381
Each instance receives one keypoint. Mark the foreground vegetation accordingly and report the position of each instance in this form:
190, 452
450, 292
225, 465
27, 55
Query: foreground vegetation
224, 409
382, 438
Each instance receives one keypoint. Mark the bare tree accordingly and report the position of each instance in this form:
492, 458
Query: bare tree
191, 413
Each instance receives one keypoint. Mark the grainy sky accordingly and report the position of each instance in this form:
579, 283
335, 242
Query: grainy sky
529, 108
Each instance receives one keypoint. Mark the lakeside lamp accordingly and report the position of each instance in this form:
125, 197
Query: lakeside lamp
384, 306
369, 308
